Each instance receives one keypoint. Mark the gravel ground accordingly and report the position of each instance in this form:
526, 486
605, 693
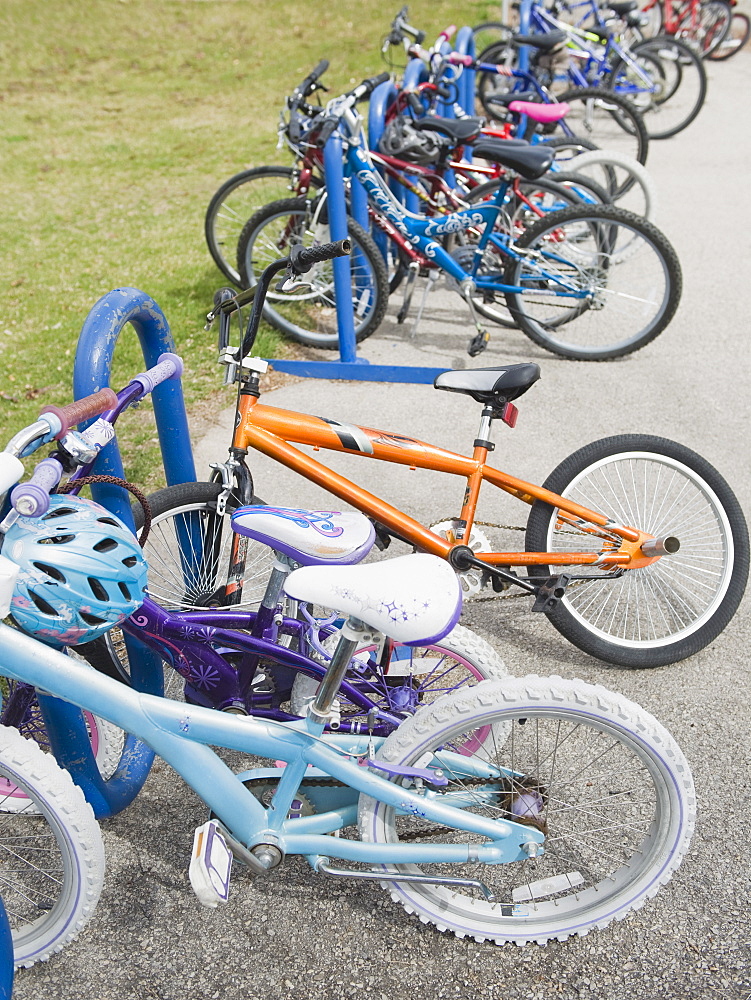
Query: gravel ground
297, 934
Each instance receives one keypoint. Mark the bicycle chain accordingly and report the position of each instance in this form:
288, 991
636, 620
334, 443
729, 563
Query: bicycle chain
505, 596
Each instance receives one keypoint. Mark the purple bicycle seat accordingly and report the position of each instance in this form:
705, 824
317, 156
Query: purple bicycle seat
310, 537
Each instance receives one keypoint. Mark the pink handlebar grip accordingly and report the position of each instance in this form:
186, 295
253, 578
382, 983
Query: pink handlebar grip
82, 409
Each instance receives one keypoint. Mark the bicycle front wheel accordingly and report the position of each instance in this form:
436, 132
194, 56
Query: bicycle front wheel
604, 781
189, 552
673, 607
51, 853
309, 315
236, 200
599, 282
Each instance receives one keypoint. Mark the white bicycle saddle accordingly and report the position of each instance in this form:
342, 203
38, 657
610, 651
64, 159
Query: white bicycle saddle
413, 599
310, 537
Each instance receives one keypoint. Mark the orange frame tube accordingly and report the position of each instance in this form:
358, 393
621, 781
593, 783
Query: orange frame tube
270, 430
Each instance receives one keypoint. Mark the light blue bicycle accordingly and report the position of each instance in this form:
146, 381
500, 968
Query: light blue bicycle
522, 809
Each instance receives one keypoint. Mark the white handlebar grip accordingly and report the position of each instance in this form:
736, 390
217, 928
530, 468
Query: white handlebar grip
11, 470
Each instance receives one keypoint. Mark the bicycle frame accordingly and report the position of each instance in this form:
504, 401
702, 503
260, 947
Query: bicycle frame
417, 233
183, 735
270, 431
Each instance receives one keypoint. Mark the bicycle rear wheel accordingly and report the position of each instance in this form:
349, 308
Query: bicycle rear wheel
236, 200
51, 854
309, 315
535, 200
736, 38
674, 607
604, 781
605, 118
678, 84
601, 282
626, 181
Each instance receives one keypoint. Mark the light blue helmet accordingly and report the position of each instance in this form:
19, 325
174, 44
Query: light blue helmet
81, 571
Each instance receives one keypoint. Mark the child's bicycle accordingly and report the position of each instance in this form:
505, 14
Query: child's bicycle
517, 810
635, 547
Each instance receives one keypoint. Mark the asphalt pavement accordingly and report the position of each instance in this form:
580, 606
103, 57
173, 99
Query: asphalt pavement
297, 935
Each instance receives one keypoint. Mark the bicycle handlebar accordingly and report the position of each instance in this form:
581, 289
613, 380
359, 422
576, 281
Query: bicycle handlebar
82, 409
31, 499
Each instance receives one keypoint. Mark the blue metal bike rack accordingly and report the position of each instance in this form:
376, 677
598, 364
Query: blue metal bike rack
349, 366
65, 726
465, 46
6, 956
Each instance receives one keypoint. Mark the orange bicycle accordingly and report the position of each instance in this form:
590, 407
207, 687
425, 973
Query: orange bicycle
636, 548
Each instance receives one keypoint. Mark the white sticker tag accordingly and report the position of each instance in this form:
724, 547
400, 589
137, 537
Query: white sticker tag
546, 887
8, 576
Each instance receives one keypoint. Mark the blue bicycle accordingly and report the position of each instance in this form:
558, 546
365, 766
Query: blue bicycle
588, 283
662, 77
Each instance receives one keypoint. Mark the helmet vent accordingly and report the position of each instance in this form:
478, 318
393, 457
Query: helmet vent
52, 571
56, 540
42, 605
130, 561
98, 590
105, 545
58, 512
108, 520
92, 619
124, 591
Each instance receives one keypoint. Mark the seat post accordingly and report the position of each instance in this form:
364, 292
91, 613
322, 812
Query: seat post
483, 434
353, 633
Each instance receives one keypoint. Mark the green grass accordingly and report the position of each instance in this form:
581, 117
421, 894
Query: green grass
119, 120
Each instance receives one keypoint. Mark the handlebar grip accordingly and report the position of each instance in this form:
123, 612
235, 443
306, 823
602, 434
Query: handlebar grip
368, 86
415, 103
222, 295
459, 60
168, 366
447, 32
32, 499
326, 130
82, 409
319, 70
302, 258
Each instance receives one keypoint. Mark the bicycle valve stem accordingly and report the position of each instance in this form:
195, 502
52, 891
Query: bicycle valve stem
660, 546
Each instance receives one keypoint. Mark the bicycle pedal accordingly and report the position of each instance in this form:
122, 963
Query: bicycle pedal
210, 865
478, 343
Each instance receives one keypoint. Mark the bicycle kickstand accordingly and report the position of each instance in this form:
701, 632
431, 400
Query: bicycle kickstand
481, 339
430, 283
413, 269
